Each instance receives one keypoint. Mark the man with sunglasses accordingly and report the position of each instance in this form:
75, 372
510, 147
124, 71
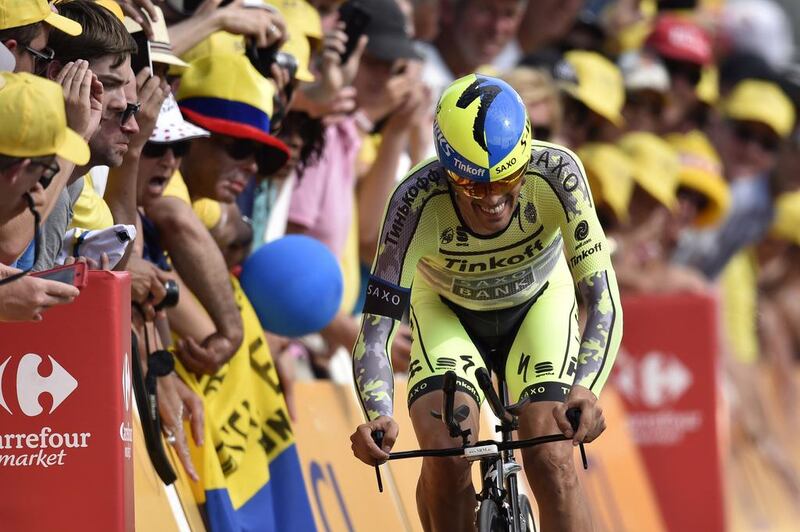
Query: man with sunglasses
27, 164
224, 94
758, 118
487, 243
103, 47
24, 29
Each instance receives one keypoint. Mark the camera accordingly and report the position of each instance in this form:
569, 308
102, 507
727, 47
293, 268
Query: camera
171, 299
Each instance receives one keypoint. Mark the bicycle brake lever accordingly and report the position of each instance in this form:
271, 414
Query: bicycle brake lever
574, 417
377, 437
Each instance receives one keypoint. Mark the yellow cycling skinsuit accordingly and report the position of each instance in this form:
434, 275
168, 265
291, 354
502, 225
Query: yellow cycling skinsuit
476, 298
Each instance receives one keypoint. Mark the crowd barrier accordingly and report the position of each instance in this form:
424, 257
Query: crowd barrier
66, 446
661, 464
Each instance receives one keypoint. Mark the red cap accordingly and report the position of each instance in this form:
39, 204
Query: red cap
680, 39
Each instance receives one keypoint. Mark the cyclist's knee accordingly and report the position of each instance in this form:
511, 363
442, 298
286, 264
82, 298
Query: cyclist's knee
446, 473
550, 467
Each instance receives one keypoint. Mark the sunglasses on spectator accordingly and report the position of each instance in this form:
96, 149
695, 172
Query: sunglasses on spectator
156, 150
130, 111
239, 149
478, 190
683, 69
41, 57
50, 170
767, 141
541, 131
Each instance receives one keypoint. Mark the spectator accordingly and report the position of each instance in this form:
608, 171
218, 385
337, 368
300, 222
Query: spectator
685, 48
103, 49
27, 163
642, 257
537, 90
593, 98
25, 28
758, 117
647, 85
473, 34
610, 174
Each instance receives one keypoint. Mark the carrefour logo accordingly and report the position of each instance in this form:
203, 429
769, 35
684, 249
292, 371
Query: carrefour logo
30, 384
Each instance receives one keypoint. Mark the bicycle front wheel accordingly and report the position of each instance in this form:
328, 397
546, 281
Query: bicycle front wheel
526, 521
489, 517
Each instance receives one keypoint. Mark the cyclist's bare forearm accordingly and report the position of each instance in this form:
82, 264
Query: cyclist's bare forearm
372, 369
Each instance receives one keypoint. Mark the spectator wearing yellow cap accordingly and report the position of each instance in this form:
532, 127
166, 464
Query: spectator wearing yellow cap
24, 29
103, 48
32, 133
703, 194
594, 96
645, 244
758, 117
610, 173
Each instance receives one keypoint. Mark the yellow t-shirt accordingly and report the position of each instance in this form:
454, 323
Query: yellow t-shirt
91, 211
739, 306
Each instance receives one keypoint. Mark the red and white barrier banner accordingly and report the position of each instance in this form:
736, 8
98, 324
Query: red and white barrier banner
666, 373
65, 414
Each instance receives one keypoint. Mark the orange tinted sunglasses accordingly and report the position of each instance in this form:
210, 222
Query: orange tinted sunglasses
478, 190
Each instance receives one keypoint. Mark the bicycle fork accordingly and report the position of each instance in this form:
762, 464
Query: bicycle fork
499, 474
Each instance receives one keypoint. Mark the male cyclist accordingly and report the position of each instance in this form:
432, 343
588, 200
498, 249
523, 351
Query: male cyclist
481, 242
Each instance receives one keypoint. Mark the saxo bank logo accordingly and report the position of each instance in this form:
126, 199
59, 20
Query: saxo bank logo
30, 384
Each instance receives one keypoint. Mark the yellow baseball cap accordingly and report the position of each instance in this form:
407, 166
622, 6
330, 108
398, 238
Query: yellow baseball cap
16, 13
299, 47
300, 16
787, 217
218, 43
594, 80
114, 7
34, 120
761, 101
610, 174
701, 170
656, 165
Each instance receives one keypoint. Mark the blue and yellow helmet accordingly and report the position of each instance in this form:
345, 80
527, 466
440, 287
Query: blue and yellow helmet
481, 129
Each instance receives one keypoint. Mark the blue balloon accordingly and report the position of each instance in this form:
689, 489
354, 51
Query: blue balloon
294, 284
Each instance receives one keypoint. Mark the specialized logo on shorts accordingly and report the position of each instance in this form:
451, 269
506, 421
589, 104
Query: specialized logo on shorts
495, 287
582, 230
543, 368
445, 363
577, 259
530, 212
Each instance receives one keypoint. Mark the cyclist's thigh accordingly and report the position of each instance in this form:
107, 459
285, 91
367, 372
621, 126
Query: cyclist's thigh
542, 361
440, 344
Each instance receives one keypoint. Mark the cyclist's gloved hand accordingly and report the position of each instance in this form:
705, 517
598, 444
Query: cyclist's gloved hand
364, 447
592, 421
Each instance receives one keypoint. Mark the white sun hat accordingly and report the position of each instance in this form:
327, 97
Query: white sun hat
172, 127
641, 71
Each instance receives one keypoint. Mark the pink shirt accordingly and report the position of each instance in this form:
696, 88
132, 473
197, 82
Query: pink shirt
322, 199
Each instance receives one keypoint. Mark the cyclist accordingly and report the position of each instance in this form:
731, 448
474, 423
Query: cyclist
481, 241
